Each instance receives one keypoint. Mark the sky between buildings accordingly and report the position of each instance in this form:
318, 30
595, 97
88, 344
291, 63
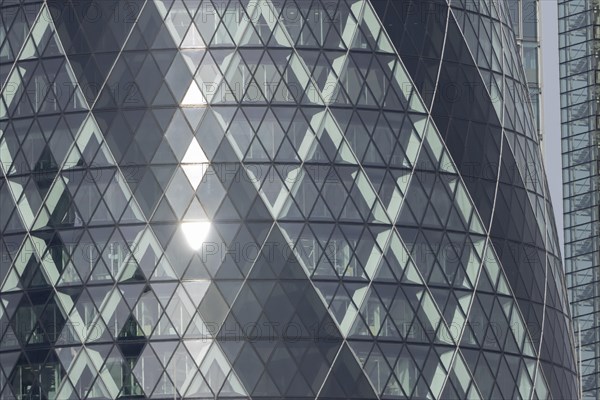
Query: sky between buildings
551, 107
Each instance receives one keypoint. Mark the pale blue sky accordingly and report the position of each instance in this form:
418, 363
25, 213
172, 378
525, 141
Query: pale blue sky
551, 104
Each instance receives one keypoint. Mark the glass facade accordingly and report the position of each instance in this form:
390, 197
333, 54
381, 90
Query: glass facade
579, 39
274, 199
525, 16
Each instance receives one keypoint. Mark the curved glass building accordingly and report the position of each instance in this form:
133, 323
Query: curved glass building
273, 199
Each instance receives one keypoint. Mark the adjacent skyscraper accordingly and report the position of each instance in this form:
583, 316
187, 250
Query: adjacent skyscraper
579, 39
274, 199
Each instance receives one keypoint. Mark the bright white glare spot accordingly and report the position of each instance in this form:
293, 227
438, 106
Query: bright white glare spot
194, 154
194, 96
195, 233
194, 164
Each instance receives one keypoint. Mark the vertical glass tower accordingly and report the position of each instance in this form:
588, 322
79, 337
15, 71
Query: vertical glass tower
579, 38
274, 199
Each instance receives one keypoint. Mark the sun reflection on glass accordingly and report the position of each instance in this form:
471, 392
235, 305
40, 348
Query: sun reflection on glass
193, 97
195, 233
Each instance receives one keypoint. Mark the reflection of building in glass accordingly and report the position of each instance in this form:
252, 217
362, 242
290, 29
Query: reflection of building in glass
273, 199
579, 38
